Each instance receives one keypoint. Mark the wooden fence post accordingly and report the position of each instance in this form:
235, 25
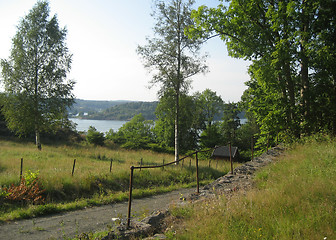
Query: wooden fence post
140, 163
231, 159
111, 164
21, 169
130, 198
73, 167
197, 173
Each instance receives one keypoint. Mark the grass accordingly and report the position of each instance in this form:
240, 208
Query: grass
294, 198
92, 183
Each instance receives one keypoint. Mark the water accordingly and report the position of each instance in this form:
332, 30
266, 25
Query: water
105, 125
100, 125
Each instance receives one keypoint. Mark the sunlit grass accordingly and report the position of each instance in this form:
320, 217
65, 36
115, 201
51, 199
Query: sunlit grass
92, 182
294, 198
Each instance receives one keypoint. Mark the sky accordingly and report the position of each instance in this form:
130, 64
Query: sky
103, 36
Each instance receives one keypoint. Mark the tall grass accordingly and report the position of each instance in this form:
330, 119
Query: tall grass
295, 198
92, 177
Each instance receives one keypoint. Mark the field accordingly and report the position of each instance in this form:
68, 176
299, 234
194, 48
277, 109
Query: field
92, 182
294, 198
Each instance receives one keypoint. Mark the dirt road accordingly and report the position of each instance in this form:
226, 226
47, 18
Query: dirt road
65, 225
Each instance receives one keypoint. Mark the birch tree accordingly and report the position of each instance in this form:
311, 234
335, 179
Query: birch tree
34, 76
170, 55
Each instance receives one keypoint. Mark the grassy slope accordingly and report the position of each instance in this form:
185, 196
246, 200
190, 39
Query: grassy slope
295, 198
92, 183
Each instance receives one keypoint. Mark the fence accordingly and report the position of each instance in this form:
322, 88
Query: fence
161, 166
132, 168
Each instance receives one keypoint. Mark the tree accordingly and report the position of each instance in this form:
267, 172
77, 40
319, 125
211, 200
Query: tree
211, 109
134, 134
189, 124
95, 137
291, 45
211, 105
34, 76
171, 55
230, 122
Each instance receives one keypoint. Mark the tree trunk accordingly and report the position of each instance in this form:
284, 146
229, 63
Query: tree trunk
38, 141
177, 127
304, 72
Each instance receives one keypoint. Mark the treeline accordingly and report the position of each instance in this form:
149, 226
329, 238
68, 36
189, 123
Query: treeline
82, 107
126, 111
205, 121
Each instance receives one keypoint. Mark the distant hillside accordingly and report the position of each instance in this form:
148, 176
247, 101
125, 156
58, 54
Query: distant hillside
81, 107
126, 111
118, 110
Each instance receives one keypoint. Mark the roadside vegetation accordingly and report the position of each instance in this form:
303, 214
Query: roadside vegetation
92, 182
294, 198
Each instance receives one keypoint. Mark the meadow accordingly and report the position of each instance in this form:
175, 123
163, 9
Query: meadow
92, 182
293, 198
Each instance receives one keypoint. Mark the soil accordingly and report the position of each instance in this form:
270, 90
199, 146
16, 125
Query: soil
70, 224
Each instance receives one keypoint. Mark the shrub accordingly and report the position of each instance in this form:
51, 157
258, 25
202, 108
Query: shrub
29, 190
95, 137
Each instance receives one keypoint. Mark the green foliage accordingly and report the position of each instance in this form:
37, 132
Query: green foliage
172, 56
230, 123
135, 134
212, 136
286, 98
189, 125
34, 76
95, 137
30, 176
211, 106
126, 111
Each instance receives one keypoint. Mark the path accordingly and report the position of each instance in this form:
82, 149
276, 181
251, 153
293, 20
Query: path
65, 225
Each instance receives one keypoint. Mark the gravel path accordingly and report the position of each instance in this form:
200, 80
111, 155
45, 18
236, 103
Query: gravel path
65, 225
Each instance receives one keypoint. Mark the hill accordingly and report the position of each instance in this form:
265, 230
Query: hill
121, 111
83, 107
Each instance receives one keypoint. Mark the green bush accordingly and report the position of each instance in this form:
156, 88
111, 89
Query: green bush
95, 137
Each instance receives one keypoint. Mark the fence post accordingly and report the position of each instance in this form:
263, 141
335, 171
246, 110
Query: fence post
209, 163
190, 163
231, 159
162, 164
140, 163
130, 198
197, 173
21, 169
111, 164
73, 167
252, 148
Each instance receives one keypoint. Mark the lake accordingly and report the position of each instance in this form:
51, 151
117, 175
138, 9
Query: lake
105, 125
100, 125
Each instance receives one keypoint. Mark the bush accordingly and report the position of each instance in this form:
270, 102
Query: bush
29, 190
95, 137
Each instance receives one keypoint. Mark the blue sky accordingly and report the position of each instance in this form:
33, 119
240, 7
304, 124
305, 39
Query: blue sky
103, 36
